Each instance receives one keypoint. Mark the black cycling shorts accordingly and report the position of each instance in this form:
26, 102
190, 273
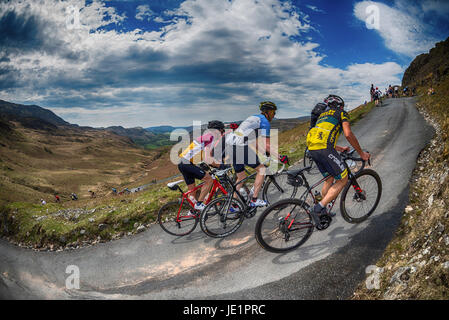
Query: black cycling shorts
191, 172
329, 162
243, 156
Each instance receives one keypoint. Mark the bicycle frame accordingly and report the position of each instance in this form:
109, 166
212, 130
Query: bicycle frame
185, 195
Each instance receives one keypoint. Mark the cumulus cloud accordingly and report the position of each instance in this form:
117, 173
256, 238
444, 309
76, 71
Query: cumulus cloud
210, 60
144, 12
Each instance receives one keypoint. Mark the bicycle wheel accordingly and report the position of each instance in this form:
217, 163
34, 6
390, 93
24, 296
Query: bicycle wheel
308, 162
284, 226
277, 188
218, 221
176, 225
357, 206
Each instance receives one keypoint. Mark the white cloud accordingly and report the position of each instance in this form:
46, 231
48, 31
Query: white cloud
213, 59
144, 12
402, 32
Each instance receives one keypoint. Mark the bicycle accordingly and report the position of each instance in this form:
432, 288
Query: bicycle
218, 220
179, 218
287, 224
308, 162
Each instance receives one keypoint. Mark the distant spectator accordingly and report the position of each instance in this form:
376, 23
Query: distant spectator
74, 196
114, 191
57, 199
43, 202
92, 194
371, 92
431, 91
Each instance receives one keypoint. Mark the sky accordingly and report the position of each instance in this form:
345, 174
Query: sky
171, 62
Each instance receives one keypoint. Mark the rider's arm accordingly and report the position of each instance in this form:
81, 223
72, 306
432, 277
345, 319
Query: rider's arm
353, 140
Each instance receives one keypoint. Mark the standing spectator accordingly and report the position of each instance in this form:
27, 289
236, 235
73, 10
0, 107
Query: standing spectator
43, 202
74, 196
57, 199
371, 92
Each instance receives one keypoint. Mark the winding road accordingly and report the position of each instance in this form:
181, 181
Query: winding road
155, 265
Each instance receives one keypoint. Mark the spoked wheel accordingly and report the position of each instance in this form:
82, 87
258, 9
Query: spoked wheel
222, 217
176, 225
277, 188
284, 226
308, 162
357, 205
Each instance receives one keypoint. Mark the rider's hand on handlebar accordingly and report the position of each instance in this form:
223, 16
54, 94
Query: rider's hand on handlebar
365, 156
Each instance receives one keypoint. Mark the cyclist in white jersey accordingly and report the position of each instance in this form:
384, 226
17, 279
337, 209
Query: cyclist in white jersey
243, 154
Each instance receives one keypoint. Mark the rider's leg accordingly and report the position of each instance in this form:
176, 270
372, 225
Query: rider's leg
334, 191
206, 187
259, 179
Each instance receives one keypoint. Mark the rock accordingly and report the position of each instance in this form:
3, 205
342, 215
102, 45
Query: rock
136, 225
141, 229
82, 232
445, 265
62, 239
408, 209
91, 219
126, 220
102, 226
402, 274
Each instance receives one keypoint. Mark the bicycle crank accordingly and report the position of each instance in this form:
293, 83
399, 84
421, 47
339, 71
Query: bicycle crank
325, 222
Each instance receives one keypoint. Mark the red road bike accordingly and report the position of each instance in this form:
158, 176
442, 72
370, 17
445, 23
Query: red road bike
179, 218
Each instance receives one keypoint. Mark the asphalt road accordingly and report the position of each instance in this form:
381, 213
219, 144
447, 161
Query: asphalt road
155, 265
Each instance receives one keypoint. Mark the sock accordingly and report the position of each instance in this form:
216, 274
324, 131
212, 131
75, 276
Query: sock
199, 202
318, 207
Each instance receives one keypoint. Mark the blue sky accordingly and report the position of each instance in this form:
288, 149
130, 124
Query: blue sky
149, 63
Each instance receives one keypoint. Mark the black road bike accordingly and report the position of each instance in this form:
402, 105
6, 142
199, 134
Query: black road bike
287, 224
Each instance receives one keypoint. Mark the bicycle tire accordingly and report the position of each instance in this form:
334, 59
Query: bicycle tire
215, 224
271, 192
308, 162
271, 227
167, 214
349, 214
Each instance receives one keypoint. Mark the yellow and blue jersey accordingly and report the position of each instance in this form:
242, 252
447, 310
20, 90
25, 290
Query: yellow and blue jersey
327, 130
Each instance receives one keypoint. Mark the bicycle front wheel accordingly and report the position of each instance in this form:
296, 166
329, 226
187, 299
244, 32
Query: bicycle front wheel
276, 188
177, 224
356, 205
284, 226
222, 217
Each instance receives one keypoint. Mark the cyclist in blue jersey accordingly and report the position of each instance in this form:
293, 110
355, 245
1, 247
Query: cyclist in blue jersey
243, 155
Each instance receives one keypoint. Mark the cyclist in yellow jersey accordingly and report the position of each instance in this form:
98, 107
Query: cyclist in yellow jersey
322, 145
200, 151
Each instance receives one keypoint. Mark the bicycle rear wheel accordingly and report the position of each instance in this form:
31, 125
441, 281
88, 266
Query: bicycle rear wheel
218, 221
277, 188
284, 226
176, 225
357, 205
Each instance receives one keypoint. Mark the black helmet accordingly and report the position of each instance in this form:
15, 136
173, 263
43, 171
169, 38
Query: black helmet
267, 105
334, 101
215, 124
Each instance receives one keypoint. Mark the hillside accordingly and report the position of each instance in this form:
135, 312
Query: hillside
39, 159
415, 264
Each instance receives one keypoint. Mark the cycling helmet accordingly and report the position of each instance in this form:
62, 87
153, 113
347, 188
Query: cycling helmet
215, 124
334, 101
267, 105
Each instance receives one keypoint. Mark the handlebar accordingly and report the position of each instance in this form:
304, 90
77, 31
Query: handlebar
348, 155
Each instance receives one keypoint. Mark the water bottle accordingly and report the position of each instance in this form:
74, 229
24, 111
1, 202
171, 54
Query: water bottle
318, 196
243, 193
251, 192
192, 198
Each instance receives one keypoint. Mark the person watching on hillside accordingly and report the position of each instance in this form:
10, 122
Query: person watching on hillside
371, 92
322, 145
376, 96
199, 151
240, 143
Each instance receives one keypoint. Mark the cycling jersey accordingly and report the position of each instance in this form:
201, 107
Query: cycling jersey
195, 151
327, 130
249, 130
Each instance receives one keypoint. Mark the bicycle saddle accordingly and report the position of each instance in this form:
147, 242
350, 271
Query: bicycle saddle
172, 185
294, 173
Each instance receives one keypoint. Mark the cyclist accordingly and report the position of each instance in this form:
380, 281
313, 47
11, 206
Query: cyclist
242, 153
197, 152
321, 141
